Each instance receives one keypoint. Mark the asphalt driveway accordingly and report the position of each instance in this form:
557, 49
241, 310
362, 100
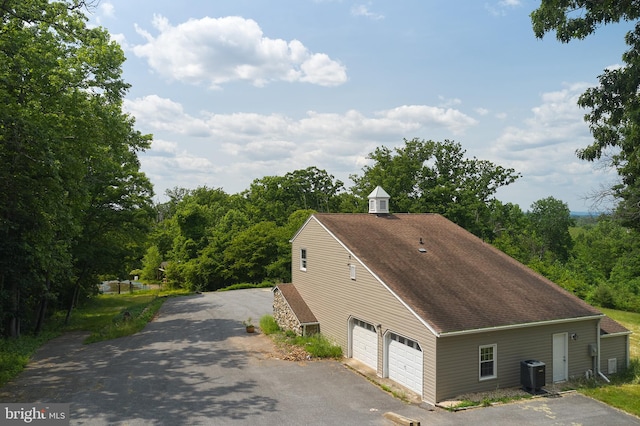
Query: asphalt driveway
195, 365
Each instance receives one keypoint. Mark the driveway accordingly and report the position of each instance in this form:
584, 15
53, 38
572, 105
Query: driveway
195, 365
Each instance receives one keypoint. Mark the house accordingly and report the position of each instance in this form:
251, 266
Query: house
429, 305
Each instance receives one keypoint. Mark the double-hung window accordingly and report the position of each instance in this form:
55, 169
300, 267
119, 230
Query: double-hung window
488, 356
303, 259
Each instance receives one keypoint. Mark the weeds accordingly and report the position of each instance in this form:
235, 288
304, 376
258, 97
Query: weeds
315, 345
15, 353
268, 325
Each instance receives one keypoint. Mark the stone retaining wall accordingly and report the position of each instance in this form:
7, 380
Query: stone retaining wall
283, 314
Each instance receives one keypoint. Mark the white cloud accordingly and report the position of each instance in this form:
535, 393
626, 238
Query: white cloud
448, 102
107, 9
544, 148
363, 10
501, 7
192, 151
163, 114
218, 51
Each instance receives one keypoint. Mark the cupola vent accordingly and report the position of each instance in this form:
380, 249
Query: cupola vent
379, 201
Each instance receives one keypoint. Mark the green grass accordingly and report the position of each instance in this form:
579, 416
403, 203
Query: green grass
16, 353
104, 317
268, 325
317, 345
242, 286
631, 320
624, 390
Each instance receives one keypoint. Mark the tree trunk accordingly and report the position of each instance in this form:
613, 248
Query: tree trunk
42, 310
12, 328
72, 303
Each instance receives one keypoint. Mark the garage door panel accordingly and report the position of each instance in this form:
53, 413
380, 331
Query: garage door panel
405, 362
365, 344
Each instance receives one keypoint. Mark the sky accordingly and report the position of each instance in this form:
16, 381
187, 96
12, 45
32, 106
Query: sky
236, 90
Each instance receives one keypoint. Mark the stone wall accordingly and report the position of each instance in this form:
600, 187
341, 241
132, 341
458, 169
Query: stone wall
283, 314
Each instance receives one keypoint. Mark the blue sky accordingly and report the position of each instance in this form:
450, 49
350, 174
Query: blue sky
241, 89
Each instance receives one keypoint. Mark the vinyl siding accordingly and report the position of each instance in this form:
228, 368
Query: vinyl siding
457, 358
335, 298
613, 347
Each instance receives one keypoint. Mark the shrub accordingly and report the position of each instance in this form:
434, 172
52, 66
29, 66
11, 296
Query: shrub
268, 325
319, 346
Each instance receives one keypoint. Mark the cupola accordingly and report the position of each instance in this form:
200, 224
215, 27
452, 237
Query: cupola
379, 201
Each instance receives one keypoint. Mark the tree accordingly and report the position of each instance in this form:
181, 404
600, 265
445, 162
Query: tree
550, 222
150, 263
274, 198
72, 199
436, 177
614, 105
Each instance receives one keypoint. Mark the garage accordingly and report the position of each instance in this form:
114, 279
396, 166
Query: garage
364, 343
405, 362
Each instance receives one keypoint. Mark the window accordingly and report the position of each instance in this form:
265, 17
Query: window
303, 259
487, 360
352, 272
383, 205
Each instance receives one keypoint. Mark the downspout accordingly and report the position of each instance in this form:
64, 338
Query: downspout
597, 366
606, 379
628, 351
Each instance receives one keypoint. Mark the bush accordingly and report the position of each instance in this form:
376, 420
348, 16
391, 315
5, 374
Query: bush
268, 325
319, 346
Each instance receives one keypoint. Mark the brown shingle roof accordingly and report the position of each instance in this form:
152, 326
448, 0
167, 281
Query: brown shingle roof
609, 326
298, 305
460, 283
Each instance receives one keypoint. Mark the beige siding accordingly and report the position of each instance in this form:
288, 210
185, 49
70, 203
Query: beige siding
335, 298
457, 359
613, 347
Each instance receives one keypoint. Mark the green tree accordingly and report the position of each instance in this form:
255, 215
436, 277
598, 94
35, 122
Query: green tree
251, 255
274, 198
614, 105
150, 263
436, 177
550, 222
71, 195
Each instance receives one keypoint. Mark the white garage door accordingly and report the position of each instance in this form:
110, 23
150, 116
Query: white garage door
364, 340
405, 362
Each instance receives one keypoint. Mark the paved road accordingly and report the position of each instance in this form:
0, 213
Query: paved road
195, 365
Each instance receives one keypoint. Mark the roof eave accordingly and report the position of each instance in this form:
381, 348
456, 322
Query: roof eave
620, 333
517, 326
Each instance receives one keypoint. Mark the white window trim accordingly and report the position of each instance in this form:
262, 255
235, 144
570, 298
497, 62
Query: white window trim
303, 259
352, 271
495, 362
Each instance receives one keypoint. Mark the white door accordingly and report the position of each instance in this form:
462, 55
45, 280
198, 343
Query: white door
364, 343
405, 362
560, 357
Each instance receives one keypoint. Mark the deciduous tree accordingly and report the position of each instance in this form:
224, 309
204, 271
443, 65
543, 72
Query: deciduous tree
614, 105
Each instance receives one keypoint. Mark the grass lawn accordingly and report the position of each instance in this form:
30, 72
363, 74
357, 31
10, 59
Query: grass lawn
631, 321
623, 392
108, 316
105, 317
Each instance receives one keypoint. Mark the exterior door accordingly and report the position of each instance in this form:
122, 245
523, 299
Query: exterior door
560, 357
364, 341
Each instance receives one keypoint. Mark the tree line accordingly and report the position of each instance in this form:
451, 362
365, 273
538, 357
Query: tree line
75, 207
211, 239
73, 202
